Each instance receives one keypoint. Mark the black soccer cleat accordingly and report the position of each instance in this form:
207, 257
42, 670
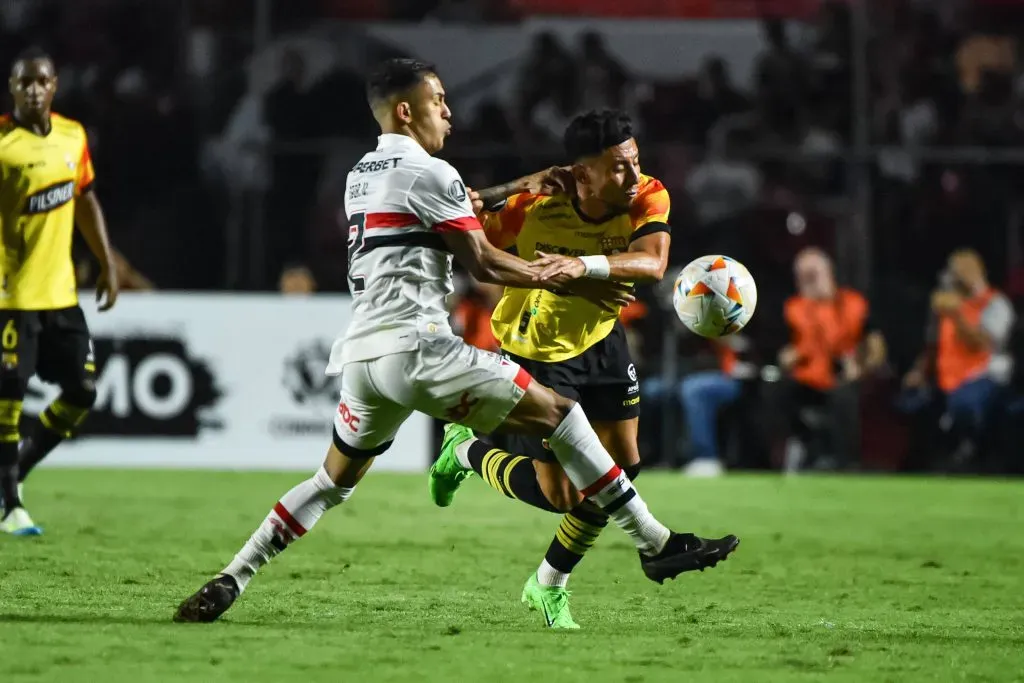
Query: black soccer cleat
209, 602
685, 553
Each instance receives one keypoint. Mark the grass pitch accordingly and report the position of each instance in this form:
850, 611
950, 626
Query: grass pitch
852, 579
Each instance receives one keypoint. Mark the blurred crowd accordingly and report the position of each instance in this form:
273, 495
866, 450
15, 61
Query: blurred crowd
210, 157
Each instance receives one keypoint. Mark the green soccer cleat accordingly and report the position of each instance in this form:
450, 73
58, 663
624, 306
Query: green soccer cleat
552, 602
447, 473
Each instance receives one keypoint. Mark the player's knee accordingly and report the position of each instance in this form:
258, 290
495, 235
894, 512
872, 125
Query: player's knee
556, 411
80, 395
539, 413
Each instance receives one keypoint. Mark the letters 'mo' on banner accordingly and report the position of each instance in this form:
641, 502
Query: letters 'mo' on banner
219, 381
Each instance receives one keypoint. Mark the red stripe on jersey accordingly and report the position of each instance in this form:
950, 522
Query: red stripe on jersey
292, 523
522, 379
463, 224
389, 219
608, 478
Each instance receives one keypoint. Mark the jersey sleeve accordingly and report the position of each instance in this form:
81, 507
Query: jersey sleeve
649, 213
439, 198
86, 174
503, 227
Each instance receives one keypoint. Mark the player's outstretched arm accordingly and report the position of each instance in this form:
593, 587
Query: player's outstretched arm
550, 181
90, 221
492, 265
645, 261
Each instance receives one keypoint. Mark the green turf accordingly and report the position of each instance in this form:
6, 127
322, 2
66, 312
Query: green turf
836, 579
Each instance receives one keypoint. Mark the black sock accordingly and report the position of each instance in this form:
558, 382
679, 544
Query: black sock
34, 448
10, 416
512, 475
57, 423
578, 532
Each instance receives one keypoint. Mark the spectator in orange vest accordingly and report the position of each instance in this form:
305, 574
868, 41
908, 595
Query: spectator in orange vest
966, 354
831, 347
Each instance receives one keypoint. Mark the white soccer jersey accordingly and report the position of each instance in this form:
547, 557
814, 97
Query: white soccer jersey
399, 200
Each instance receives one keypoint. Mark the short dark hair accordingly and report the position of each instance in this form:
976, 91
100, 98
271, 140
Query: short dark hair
591, 133
395, 76
30, 54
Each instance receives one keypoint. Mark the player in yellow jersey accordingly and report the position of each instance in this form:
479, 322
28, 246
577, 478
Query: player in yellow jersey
613, 220
46, 187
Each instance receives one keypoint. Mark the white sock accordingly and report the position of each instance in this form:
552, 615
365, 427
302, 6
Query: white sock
462, 453
549, 576
295, 514
593, 472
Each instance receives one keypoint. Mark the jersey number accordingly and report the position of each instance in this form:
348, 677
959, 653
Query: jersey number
9, 337
356, 230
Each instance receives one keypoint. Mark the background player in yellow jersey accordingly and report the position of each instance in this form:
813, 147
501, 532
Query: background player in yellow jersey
614, 220
46, 179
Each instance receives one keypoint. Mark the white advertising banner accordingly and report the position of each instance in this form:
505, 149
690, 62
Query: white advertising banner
225, 381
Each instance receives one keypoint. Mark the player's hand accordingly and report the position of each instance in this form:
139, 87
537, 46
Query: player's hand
549, 266
107, 288
945, 303
552, 181
605, 294
474, 197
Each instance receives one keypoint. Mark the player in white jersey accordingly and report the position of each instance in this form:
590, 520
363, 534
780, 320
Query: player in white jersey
408, 214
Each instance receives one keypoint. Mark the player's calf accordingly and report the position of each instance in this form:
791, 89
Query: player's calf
10, 417
289, 520
587, 464
58, 422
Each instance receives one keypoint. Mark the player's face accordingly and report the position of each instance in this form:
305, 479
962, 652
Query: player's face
430, 117
615, 175
33, 84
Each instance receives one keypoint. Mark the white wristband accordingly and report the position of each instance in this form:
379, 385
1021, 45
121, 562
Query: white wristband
596, 267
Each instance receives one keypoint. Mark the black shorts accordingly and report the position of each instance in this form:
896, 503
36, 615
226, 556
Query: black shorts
602, 379
52, 344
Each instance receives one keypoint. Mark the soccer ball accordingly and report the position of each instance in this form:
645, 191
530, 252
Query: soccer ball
714, 296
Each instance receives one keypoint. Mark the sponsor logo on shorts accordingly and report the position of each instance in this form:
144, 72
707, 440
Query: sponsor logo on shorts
461, 411
631, 371
348, 418
9, 360
633, 389
631, 401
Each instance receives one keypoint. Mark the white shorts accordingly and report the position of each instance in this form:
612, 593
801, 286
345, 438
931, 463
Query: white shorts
445, 378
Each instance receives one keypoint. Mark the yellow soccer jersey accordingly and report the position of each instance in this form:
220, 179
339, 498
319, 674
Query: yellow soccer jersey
544, 326
40, 178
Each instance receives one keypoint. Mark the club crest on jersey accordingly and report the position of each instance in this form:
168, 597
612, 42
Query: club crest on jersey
457, 190
50, 198
613, 245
